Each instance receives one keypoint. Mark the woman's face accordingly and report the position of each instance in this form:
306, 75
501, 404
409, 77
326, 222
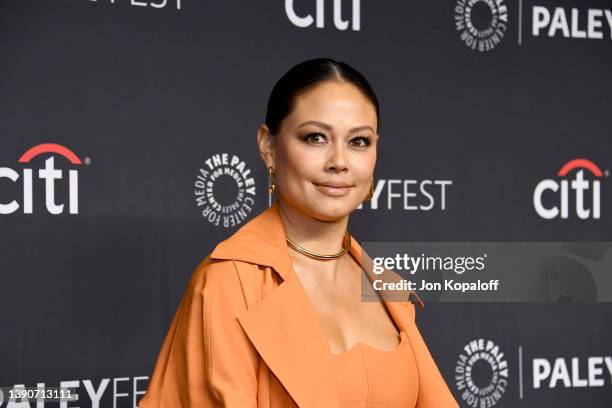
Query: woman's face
325, 152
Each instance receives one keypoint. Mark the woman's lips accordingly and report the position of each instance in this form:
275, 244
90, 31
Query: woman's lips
333, 191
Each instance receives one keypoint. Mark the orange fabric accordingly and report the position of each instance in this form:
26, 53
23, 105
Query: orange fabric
246, 335
371, 378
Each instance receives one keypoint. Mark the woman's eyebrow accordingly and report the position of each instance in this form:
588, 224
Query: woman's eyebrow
328, 127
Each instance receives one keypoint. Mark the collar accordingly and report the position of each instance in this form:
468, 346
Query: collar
260, 241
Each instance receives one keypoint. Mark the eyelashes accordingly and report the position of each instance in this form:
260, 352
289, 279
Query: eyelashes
313, 138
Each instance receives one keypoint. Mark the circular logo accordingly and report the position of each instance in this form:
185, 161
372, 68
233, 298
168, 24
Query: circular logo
224, 190
481, 23
481, 373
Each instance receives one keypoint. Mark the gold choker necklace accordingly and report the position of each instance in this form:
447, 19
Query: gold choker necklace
346, 245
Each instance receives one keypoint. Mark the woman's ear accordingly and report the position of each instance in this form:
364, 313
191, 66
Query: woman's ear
265, 143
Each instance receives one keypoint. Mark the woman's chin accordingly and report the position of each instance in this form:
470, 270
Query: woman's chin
331, 210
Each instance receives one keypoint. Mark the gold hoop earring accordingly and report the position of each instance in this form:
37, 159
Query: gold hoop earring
272, 182
371, 192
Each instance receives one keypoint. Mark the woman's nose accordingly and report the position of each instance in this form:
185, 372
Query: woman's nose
337, 158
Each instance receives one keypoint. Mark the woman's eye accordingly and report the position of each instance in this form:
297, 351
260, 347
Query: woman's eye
315, 137
361, 141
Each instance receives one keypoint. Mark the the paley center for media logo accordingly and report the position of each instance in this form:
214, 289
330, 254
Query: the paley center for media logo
575, 193
27, 174
481, 373
481, 24
224, 190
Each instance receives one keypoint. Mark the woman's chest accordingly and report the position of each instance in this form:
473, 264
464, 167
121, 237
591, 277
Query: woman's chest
345, 317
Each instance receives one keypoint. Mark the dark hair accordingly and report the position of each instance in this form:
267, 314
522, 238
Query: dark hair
305, 76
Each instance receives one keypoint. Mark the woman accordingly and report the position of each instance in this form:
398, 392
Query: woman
273, 316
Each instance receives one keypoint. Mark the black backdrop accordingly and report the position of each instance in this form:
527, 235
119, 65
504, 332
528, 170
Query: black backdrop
144, 96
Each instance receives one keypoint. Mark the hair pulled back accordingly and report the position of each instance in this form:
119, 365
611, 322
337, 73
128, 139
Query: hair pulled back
304, 77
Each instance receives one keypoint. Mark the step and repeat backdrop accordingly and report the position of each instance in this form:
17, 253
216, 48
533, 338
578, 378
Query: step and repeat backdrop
128, 151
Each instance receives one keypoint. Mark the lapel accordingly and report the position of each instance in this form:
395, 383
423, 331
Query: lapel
283, 326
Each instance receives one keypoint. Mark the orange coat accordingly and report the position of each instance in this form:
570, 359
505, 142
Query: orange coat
246, 335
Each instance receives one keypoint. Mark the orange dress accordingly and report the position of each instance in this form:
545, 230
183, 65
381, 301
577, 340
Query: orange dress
245, 335
371, 378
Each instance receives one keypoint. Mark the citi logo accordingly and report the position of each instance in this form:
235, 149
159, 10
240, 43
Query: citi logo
49, 173
319, 19
581, 188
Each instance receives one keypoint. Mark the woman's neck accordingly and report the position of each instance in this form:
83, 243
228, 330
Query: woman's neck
323, 237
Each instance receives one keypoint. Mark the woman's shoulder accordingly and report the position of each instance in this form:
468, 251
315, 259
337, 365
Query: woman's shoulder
235, 279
